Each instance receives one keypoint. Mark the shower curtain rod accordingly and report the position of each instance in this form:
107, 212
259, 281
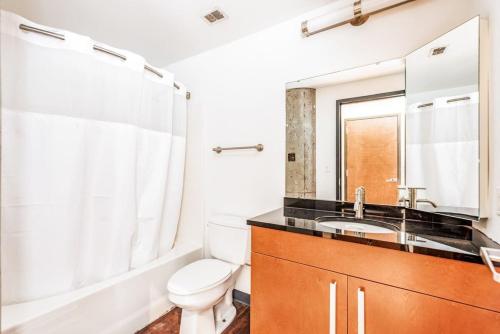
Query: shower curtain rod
43, 32
96, 48
109, 52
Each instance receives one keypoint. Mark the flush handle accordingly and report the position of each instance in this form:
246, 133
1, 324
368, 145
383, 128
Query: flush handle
333, 307
392, 180
361, 311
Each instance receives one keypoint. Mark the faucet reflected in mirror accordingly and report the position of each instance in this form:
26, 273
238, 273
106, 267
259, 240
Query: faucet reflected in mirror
359, 203
409, 198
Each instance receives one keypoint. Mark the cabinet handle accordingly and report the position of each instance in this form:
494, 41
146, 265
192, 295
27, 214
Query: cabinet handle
361, 311
333, 307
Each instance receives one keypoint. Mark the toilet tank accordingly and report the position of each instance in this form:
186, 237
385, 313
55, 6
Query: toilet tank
228, 239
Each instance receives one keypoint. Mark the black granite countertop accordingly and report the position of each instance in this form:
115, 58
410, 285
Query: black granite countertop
390, 227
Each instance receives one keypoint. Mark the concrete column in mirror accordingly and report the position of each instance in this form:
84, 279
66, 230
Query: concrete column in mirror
301, 142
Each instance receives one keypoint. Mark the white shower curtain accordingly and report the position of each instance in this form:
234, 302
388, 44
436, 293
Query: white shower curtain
442, 150
153, 164
173, 199
86, 140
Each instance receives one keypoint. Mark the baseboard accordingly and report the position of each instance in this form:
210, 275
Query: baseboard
241, 297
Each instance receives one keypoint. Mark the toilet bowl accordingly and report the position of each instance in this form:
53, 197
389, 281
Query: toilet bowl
204, 288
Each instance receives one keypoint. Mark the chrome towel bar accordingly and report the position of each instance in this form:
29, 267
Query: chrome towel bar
258, 147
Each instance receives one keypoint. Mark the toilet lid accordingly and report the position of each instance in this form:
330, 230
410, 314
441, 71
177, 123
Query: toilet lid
199, 276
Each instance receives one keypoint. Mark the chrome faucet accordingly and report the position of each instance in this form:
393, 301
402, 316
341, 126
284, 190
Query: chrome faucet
412, 201
434, 205
359, 203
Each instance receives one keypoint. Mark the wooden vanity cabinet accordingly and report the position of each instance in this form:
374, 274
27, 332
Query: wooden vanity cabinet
289, 297
380, 308
292, 277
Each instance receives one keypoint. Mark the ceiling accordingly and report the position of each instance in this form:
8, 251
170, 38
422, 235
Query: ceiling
163, 31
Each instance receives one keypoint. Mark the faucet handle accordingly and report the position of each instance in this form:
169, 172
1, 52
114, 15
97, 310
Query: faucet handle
412, 195
412, 200
409, 196
412, 191
404, 187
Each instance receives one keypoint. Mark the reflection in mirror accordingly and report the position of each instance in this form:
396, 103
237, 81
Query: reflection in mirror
406, 130
442, 147
372, 153
345, 130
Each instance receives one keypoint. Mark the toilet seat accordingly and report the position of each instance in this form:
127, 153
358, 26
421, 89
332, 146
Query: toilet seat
199, 276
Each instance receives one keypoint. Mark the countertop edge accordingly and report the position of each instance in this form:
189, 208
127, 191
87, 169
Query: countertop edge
470, 258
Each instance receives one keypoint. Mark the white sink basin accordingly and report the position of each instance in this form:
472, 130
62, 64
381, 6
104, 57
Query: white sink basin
355, 227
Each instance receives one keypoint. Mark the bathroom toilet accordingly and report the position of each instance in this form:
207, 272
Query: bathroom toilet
204, 288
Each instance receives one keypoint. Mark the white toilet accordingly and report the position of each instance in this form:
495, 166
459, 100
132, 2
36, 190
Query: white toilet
203, 289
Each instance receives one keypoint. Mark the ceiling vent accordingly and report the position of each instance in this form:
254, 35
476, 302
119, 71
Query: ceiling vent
438, 51
215, 16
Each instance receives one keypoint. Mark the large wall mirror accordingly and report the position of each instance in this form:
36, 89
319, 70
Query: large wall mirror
408, 130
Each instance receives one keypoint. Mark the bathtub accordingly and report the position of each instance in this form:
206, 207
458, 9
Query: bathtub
120, 305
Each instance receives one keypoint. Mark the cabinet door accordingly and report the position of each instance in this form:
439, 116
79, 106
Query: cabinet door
377, 308
292, 298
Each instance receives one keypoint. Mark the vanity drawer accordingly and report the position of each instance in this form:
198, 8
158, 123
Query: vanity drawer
459, 281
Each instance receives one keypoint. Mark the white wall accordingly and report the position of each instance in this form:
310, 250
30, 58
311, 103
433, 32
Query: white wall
238, 98
326, 105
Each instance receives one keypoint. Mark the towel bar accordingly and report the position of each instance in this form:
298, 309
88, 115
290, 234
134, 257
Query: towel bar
258, 147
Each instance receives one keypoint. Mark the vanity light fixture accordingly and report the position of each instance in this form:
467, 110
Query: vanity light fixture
355, 14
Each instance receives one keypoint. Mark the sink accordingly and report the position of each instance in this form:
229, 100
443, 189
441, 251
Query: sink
363, 226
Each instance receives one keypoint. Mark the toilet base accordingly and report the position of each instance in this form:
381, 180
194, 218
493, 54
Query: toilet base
227, 318
204, 322
210, 321
197, 322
